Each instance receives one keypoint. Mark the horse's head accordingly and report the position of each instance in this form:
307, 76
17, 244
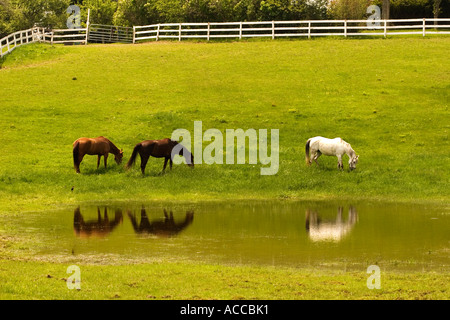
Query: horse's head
352, 162
118, 157
185, 153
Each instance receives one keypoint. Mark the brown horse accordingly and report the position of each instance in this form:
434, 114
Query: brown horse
94, 146
159, 149
96, 228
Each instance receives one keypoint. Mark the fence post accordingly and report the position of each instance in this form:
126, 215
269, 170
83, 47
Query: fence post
51, 39
424, 27
134, 34
208, 32
157, 32
385, 28
273, 30
240, 30
345, 28
179, 33
7, 44
87, 26
309, 29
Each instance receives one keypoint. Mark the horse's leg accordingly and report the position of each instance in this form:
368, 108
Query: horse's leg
144, 159
98, 160
340, 165
165, 163
105, 156
80, 158
171, 162
316, 156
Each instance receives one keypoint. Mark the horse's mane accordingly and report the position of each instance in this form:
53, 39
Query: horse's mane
113, 146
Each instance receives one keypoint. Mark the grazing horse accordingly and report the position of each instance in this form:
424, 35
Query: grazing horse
330, 147
159, 149
94, 146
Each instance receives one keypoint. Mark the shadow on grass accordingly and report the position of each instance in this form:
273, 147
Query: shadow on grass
100, 171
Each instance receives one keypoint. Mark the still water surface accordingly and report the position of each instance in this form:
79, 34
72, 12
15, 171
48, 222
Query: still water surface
325, 234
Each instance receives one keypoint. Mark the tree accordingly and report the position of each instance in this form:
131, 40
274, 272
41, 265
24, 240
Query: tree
348, 9
101, 11
132, 13
436, 8
385, 10
23, 14
6, 14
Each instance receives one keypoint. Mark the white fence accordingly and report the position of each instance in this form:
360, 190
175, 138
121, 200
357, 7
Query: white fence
239, 30
273, 29
65, 36
16, 39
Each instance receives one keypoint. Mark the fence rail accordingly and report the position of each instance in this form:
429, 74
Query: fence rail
239, 30
309, 28
66, 36
16, 39
37, 34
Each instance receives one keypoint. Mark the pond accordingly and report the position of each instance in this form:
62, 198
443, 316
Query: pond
279, 233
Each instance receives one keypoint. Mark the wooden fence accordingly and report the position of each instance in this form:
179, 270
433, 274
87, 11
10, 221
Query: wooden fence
221, 30
66, 36
16, 39
37, 34
273, 29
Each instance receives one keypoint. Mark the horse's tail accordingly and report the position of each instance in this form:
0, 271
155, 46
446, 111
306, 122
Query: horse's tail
76, 152
307, 159
133, 156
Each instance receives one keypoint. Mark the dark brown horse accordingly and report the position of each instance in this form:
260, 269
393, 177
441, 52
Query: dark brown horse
160, 228
159, 149
94, 146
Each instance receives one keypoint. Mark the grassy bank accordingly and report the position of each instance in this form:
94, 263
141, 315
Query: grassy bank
162, 281
387, 98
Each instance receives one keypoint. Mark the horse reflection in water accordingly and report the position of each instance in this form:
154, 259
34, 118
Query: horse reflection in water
330, 230
96, 228
165, 228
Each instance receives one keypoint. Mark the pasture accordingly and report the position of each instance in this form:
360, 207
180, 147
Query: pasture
388, 98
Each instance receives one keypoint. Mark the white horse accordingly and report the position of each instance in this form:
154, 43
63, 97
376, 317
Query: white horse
330, 147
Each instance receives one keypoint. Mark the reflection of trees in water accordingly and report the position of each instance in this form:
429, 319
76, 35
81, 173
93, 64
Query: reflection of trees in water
96, 228
102, 226
163, 228
332, 230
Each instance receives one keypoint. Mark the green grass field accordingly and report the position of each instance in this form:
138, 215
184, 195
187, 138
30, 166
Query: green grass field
388, 98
